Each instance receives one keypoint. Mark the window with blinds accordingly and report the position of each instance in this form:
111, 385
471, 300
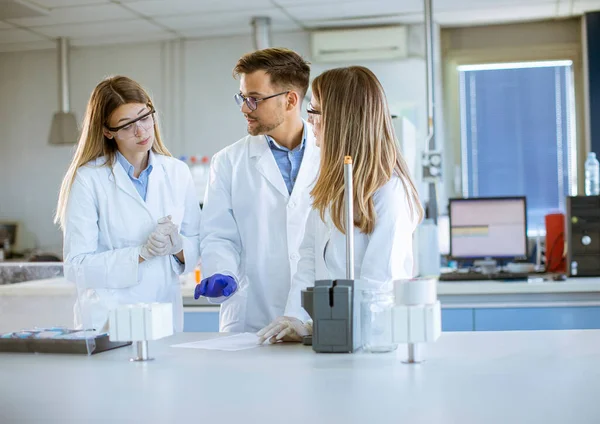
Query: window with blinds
518, 134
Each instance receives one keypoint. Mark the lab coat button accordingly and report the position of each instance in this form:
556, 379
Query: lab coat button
294, 256
292, 205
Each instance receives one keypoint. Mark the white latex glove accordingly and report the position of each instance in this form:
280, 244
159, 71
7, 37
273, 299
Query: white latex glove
167, 228
285, 329
160, 241
145, 252
156, 245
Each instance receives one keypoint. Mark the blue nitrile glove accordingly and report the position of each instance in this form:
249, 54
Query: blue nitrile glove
217, 285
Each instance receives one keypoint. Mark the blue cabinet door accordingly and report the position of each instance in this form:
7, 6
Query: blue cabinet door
467, 319
457, 320
203, 322
557, 318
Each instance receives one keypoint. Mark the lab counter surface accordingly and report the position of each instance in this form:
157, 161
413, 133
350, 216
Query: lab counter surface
468, 378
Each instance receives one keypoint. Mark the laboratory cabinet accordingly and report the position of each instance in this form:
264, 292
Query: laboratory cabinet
515, 318
465, 319
199, 321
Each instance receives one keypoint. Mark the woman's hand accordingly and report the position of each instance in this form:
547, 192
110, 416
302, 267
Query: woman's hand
164, 240
285, 329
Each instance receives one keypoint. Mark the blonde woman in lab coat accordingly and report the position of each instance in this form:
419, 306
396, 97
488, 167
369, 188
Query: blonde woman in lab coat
128, 209
350, 116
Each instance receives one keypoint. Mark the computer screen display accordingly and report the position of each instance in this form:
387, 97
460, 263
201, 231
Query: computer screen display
488, 228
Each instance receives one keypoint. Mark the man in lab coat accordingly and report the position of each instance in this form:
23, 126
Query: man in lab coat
258, 198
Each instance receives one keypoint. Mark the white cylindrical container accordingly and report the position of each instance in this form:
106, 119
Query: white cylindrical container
416, 291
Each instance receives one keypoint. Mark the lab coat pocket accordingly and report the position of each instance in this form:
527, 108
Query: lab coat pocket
148, 286
92, 307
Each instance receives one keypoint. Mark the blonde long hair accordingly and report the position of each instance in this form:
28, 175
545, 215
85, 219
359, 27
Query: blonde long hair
355, 121
93, 144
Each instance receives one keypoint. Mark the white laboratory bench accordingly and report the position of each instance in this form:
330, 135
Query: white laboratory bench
466, 306
468, 378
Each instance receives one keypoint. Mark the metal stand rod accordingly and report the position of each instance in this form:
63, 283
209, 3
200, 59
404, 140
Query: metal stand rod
414, 354
429, 65
349, 217
430, 144
142, 351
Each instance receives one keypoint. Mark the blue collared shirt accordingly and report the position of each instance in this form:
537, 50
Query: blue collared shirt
140, 183
288, 161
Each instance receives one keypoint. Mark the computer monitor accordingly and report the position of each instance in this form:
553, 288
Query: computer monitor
488, 227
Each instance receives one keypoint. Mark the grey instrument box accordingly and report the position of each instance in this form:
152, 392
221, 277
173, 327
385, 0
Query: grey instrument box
334, 306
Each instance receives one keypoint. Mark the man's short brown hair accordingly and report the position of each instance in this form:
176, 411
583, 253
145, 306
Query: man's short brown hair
285, 67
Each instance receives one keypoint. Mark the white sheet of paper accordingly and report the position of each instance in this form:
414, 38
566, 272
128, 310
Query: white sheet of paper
230, 343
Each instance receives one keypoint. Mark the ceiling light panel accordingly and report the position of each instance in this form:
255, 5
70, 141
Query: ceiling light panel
80, 14
100, 29
183, 7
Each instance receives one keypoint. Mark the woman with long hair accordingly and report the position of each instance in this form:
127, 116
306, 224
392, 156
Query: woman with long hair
127, 208
350, 117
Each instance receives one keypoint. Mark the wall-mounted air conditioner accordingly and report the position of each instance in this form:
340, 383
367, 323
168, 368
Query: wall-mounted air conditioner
349, 45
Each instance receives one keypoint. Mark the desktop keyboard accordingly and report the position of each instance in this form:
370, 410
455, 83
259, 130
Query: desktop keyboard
477, 276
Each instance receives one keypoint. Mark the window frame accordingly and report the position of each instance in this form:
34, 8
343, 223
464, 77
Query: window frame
531, 53
470, 182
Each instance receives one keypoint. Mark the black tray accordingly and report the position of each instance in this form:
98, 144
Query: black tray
77, 346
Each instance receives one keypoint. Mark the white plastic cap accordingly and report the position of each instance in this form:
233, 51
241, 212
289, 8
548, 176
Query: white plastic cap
416, 291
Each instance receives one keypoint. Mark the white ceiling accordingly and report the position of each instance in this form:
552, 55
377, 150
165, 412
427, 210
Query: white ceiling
87, 22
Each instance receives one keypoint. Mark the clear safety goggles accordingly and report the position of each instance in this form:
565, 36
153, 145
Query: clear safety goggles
129, 129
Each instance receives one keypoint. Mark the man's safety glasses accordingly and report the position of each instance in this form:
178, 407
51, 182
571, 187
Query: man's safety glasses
252, 102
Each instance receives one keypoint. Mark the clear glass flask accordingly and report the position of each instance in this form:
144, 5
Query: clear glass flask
376, 321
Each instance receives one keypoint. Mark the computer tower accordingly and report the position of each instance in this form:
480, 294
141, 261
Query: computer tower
583, 236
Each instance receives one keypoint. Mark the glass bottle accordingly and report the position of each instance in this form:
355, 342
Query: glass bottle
376, 321
592, 175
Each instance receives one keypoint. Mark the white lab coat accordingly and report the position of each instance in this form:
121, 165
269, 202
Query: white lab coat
381, 257
107, 222
252, 228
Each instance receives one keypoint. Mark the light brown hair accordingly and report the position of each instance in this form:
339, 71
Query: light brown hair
285, 67
356, 122
93, 144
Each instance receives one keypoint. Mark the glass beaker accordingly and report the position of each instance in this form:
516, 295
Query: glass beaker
376, 321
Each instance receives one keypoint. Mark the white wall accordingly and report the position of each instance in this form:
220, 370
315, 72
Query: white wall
192, 87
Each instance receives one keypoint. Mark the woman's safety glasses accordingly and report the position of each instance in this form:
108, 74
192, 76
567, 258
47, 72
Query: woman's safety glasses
314, 115
312, 111
252, 102
128, 130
